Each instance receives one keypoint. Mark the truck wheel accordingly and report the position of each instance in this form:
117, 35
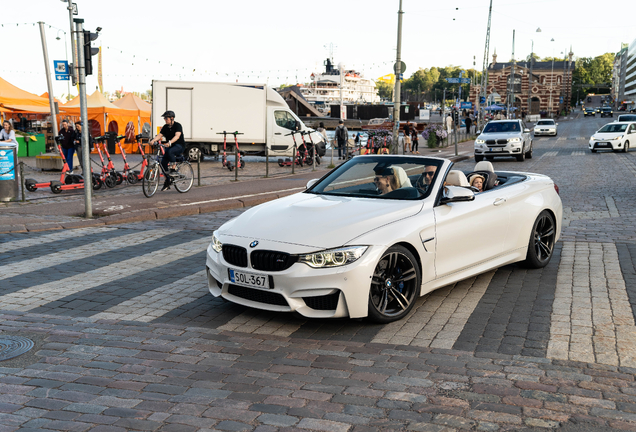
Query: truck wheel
194, 154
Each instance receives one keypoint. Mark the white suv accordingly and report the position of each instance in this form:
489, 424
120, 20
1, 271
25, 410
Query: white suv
504, 138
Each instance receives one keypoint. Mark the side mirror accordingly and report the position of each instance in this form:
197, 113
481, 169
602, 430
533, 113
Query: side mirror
478, 132
526, 130
557, 124
457, 194
311, 182
298, 125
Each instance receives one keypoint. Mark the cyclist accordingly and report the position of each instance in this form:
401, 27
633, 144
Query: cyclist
173, 132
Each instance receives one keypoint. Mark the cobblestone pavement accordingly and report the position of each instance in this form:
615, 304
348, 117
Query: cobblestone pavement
129, 339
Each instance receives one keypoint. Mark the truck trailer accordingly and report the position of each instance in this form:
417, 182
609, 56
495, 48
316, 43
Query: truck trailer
206, 109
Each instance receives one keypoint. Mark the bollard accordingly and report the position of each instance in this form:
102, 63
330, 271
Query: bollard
199, 172
294, 158
266, 161
331, 165
22, 178
314, 153
236, 163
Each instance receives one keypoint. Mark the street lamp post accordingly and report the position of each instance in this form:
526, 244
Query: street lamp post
551, 77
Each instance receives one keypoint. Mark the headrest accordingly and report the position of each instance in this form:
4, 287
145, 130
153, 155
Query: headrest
456, 178
402, 178
484, 166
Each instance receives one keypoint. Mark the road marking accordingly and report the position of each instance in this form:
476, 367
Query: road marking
49, 238
243, 196
578, 153
160, 301
551, 153
592, 319
438, 318
46, 261
34, 297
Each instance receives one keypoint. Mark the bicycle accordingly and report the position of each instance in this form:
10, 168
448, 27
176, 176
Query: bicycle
182, 177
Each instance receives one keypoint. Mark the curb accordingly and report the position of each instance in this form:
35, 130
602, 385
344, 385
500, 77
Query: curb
159, 213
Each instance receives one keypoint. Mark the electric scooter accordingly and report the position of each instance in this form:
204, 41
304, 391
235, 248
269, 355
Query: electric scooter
131, 176
226, 163
106, 175
310, 152
288, 161
119, 177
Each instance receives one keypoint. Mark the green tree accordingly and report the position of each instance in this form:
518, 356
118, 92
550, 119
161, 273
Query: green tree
385, 90
590, 72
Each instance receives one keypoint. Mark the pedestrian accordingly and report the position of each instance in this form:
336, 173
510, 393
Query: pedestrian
407, 137
322, 131
24, 123
68, 146
469, 123
415, 139
7, 135
19, 125
357, 139
341, 137
449, 124
77, 140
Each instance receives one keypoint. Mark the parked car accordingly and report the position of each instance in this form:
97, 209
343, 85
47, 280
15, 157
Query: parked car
614, 136
626, 118
546, 127
589, 111
607, 112
504, 138
390, 246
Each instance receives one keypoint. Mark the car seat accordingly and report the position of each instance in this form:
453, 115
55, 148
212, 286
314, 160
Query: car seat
485, 169
456, 178
402, 178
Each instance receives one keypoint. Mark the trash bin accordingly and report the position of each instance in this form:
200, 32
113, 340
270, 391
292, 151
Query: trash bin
8, 173
111, 138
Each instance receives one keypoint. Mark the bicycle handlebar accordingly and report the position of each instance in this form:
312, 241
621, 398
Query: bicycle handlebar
230, 133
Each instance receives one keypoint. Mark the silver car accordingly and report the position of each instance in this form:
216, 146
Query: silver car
504, 138
546, 127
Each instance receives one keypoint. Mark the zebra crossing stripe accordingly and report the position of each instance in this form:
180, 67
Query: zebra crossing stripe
160, 301
39, 295
551, 153
11, 246
44, 261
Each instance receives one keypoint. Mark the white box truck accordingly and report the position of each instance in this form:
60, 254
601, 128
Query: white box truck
206, 108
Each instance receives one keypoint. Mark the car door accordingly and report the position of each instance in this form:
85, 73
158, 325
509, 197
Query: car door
282, 125
468, 233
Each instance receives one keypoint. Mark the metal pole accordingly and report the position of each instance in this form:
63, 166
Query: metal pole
236, 162
314, 154
198, 171
266, 161
48, 80
396, 93
73, 45
343, 114
530, 80
293, 158
22, 178
86, 162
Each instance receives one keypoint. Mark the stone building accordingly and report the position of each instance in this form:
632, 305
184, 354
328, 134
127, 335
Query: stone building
550, 84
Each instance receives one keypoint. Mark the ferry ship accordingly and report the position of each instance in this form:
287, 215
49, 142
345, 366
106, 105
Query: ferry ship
324, 88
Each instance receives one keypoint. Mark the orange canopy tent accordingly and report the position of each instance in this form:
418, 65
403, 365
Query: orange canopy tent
103, 116
16, 99
143, 109
45, 95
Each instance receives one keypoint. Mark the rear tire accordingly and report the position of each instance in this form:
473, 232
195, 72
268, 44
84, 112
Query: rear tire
29, 184
97, 182
542, 240
184, 178
150, 182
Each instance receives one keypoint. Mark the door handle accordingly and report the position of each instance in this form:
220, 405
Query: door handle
277, 133
499, 201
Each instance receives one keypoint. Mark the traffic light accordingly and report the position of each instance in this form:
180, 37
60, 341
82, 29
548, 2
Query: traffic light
89, 51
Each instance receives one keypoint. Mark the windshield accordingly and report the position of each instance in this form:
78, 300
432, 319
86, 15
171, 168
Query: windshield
613, 127
627, 118
382, 177
545, 122
502, 127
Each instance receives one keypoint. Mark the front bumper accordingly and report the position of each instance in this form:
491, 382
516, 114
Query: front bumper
510, 149
544, 131
606, 145
314, 293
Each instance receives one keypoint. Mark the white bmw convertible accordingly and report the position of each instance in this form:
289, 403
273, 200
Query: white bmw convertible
377, 232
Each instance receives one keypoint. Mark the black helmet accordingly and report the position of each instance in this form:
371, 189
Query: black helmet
168, 114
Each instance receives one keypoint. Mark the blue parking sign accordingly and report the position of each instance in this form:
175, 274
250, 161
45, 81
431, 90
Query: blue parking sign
61, 70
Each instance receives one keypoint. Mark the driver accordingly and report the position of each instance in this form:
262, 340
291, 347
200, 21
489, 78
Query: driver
425, 180
384, 179
173, 133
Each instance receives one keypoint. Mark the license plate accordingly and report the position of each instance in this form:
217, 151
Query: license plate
496, 149
249, 279
603, 145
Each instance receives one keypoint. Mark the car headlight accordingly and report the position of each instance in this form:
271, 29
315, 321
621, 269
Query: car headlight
216, 244
514, 139
333, 257
480, 141
618, 138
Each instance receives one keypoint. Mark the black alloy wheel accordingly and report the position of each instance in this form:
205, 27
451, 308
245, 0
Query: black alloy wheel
542, 240
395, 285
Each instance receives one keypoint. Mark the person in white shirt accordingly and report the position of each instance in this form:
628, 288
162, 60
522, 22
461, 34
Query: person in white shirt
7, 135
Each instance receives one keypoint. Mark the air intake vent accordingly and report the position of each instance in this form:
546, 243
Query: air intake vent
326, 302
257, 295
235, 255
271, 260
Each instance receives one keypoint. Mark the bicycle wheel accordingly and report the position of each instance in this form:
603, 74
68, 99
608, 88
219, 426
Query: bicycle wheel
150, 182
184, 177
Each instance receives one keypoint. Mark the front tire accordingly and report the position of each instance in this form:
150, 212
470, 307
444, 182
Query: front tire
395, 285
184, 178
529, 152
150, 182
542, 240
521, 157
626, 147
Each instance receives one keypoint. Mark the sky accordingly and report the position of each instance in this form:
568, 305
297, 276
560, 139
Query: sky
284, 41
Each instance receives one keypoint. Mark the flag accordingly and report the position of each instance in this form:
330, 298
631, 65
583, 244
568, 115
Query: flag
99, 70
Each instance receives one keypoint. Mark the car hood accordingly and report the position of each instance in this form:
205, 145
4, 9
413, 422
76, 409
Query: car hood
317, 221
548, 126
499, 135
607, 136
